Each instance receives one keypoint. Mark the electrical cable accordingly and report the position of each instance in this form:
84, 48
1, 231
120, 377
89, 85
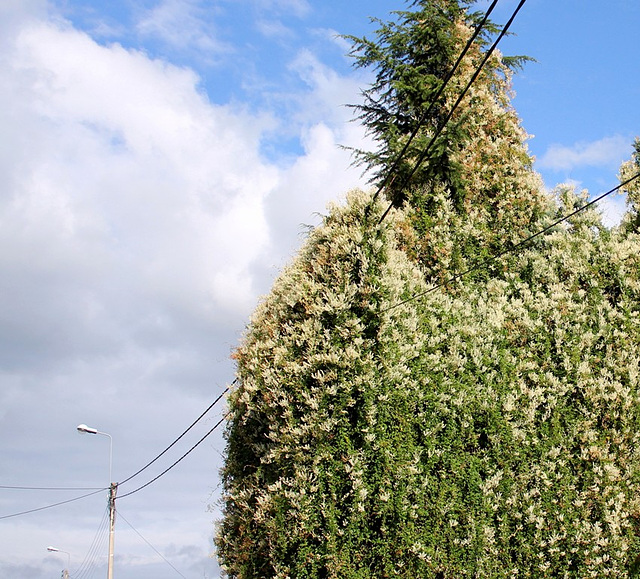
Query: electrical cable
150, 545
429, 110
179, 437
51, 488
53, 505
99, 540
177, 461
98, 490
514, 248
475, 75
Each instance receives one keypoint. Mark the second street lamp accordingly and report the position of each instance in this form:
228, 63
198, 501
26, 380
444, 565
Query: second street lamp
113, 488
65, 572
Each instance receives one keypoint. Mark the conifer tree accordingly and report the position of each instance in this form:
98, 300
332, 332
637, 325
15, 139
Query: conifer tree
411, 58
476, 191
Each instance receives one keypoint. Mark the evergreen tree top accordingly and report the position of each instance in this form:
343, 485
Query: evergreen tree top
412, 58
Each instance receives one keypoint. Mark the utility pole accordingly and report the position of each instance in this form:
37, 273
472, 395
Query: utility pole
113, 489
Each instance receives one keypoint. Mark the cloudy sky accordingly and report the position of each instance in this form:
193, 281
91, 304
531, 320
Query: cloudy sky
159, 160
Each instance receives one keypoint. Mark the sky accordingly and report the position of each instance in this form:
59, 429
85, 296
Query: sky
160, 162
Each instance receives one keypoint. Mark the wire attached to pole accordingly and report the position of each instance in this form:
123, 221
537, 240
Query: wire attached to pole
182, 435
180, 459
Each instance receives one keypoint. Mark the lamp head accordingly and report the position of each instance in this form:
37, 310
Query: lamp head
84, 429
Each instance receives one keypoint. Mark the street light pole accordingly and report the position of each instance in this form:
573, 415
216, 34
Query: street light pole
113, 489
65, 572
84, 429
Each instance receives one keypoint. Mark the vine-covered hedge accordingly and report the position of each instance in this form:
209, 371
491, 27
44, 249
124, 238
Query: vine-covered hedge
395, 419
484, 430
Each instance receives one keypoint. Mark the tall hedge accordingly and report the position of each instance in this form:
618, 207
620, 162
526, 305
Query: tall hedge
394, 420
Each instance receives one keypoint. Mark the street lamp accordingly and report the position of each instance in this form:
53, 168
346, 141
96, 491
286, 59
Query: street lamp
84, 429
65, 572
113, 488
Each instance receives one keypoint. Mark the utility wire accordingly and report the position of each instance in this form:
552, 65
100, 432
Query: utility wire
52, 488
150, 545
53, 505
389, 176
514, 248
179, 437
98, 490
99, 541
177, 461
438, 132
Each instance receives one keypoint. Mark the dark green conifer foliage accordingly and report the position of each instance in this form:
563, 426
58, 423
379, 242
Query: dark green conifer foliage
411, 58
477, 185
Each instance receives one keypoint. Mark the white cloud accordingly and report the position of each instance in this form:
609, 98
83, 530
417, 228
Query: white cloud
324, 171
297, 8
138, 223
131, 154
122, 182
606, 152
274, 29
184, 25
328, 96
271, 15
127, 191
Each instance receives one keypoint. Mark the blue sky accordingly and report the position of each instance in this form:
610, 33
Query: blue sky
158, 160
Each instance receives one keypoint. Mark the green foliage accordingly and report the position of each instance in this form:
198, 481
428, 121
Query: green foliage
490, 431
477, 188
412, 58
485, 428
321, 441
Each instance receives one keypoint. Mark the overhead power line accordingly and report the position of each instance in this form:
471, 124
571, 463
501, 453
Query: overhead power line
516, 247
92, 557
423, 118
177, 461
99, 490
475, 75
181, 436
23, 488
51, 506
150, 545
